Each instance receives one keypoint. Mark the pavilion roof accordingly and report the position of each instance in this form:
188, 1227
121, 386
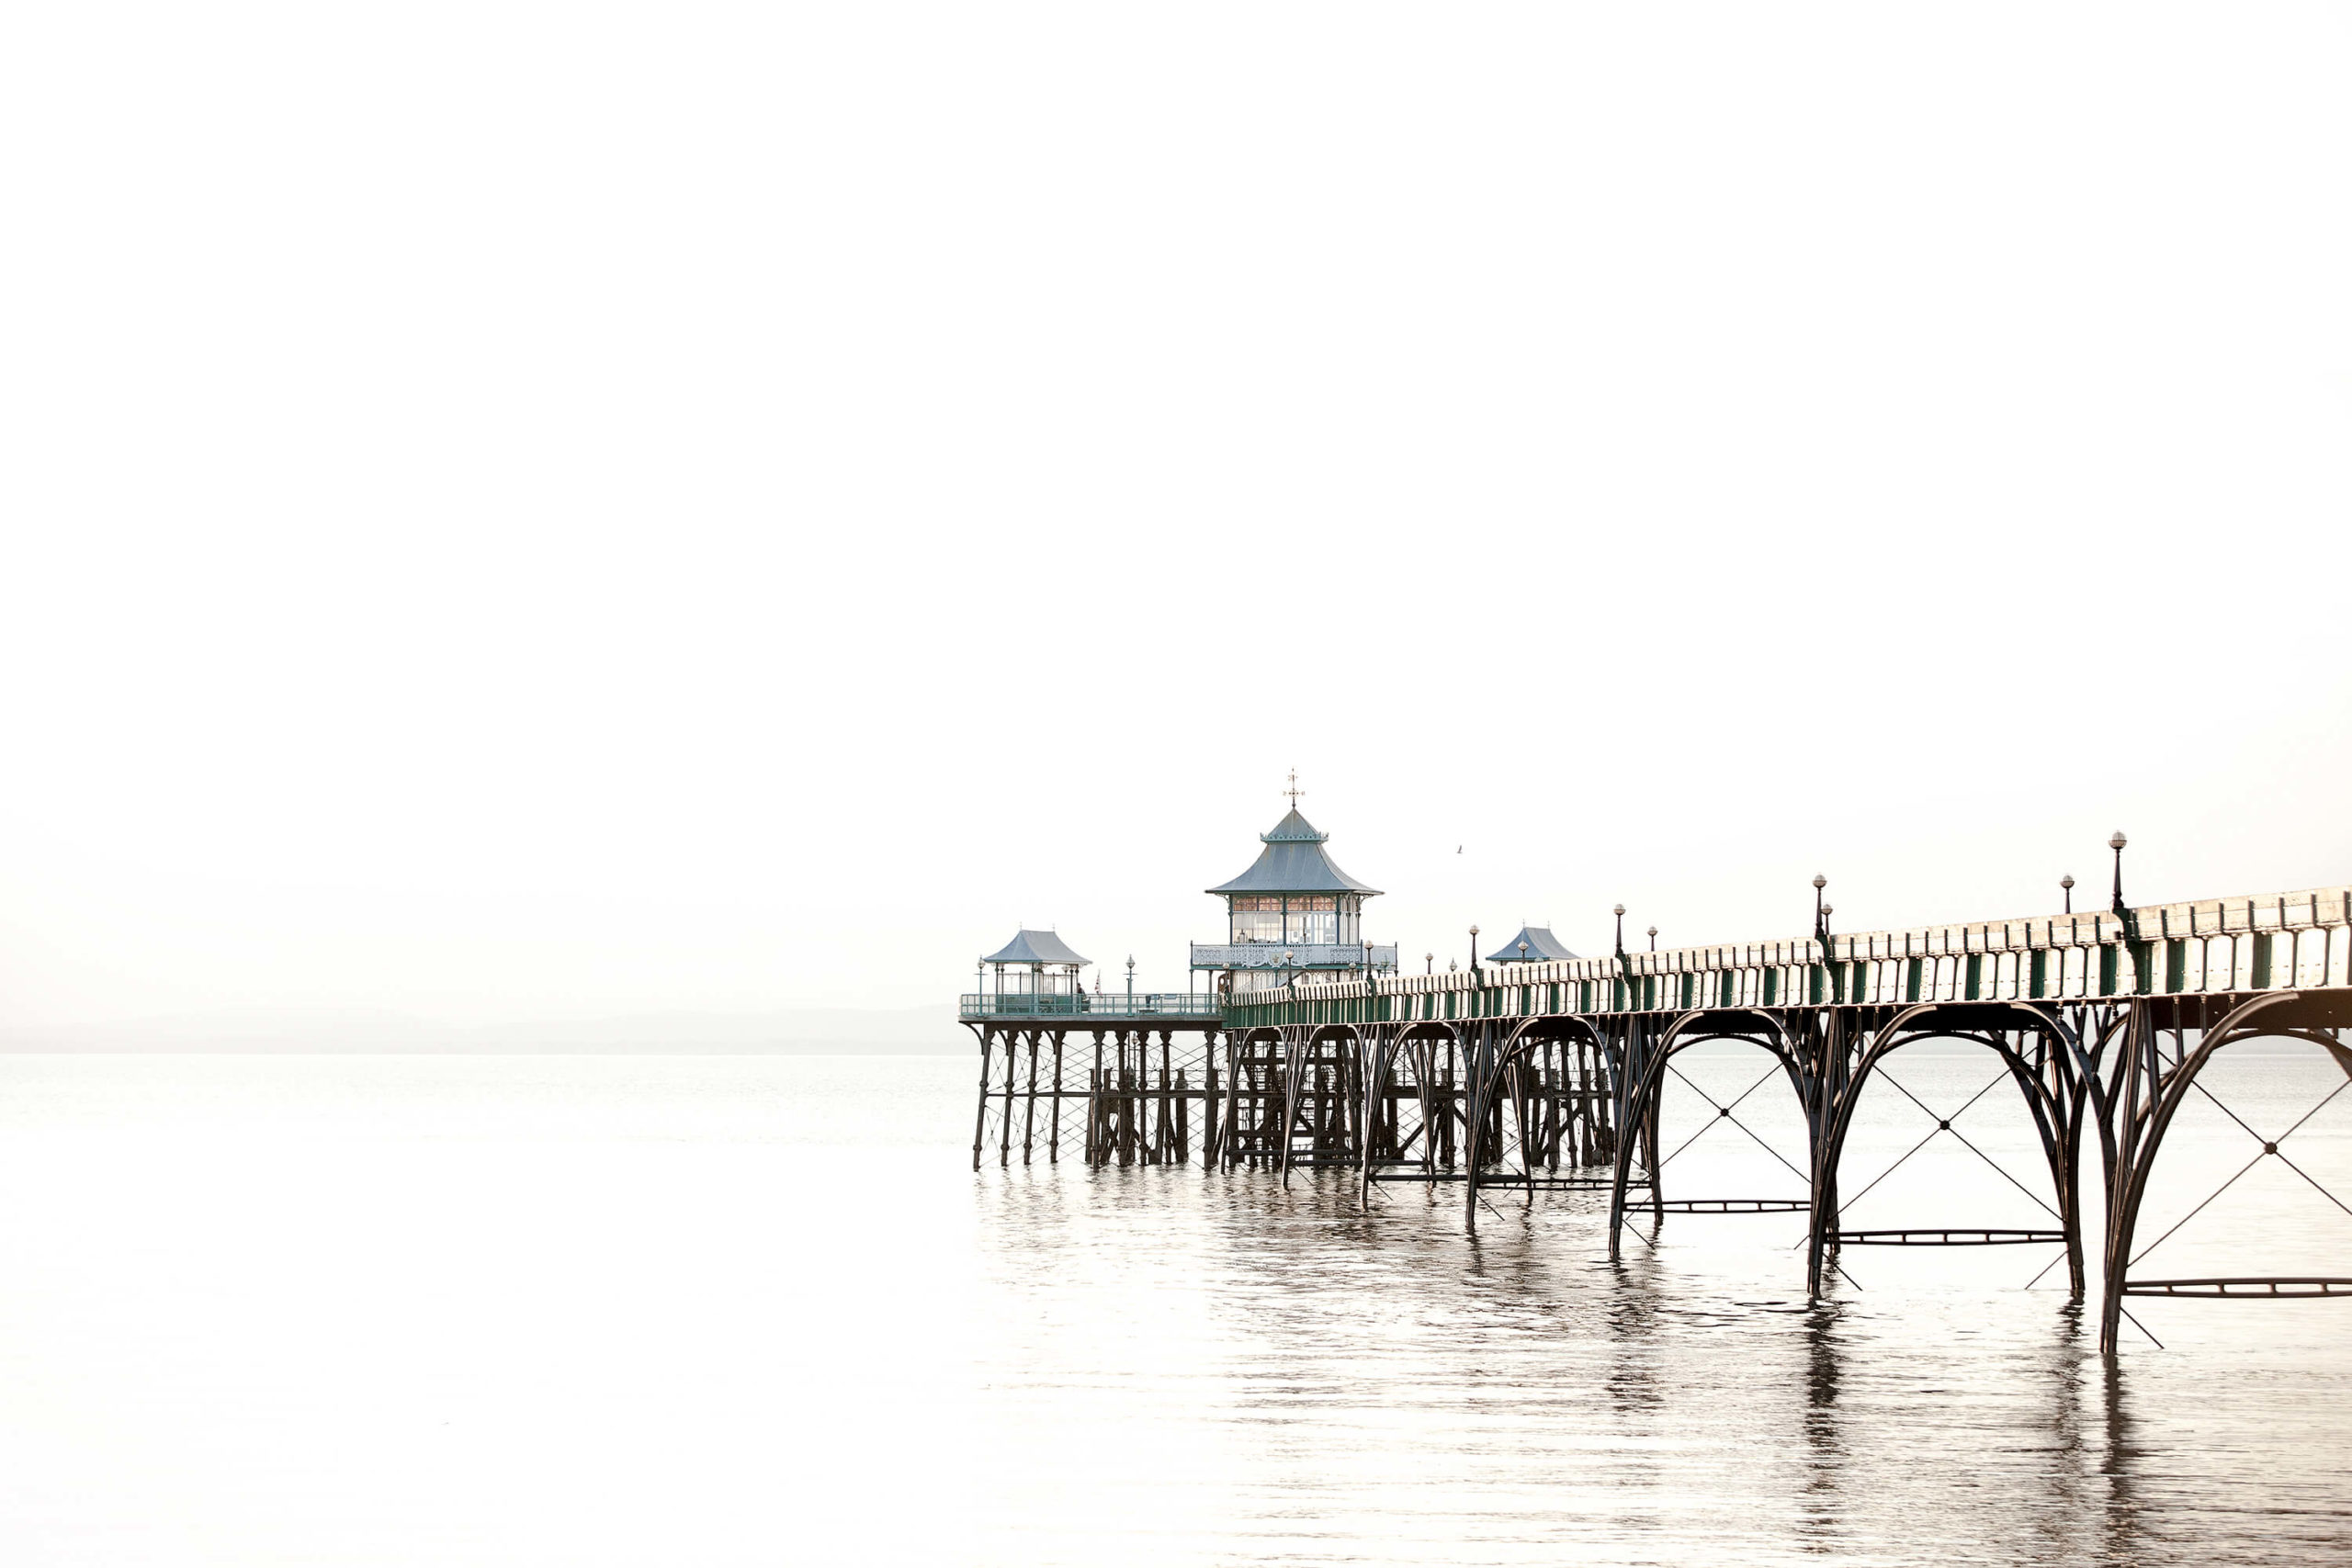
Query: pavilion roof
1034, 947
1294, 860
1542, 947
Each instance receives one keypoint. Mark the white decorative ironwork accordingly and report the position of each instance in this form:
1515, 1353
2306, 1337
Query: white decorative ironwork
1293, 955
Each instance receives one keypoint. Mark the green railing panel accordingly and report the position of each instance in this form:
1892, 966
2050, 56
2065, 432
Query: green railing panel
2216, 946
1155, 1004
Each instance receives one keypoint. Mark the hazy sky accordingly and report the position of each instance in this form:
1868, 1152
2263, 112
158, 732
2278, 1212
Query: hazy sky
519, 511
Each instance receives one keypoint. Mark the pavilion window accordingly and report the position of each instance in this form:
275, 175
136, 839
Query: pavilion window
1312, 921
1257, 920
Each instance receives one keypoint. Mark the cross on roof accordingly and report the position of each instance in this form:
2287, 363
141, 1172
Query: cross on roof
1294, 791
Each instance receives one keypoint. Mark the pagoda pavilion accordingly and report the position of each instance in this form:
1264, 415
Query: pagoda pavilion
1533, 944
1292, 912
1035, 965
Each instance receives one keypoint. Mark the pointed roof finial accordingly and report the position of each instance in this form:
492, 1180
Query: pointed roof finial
1294, 791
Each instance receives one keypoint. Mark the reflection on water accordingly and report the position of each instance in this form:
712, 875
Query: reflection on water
1374, 1388
755, 1310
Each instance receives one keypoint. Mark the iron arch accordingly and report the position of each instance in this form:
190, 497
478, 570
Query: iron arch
2055, 1124
1498, 1047
1645, 1082
1305, 1089
2143, 1130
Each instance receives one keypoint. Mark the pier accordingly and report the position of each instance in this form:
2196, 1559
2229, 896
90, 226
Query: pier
1536, 1069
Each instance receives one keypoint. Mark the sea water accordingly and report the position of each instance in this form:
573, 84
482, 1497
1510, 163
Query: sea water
721, 1310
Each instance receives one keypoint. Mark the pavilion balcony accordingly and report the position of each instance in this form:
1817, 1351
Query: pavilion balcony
1302, 956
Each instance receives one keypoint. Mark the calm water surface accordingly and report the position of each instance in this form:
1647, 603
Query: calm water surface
758, 1310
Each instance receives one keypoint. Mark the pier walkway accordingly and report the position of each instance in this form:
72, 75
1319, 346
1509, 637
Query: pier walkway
1548, 1074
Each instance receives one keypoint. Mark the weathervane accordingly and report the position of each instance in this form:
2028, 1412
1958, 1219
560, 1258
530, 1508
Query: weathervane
1294, 791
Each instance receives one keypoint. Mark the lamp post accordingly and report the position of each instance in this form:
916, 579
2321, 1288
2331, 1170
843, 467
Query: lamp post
1827, 910
1522, 950
1619, 911
1429, 959
1287, 977
1131, 982
2067, 886
1819, 881
2117, 843
1652, 939
1474, 950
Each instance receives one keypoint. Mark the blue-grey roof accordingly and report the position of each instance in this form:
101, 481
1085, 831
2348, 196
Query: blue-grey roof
1542, 947
1294, 861
1034, 947
1292, 829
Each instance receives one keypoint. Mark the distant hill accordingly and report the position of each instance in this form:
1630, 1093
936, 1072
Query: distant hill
808, 1032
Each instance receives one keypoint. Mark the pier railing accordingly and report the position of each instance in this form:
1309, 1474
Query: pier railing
2267, 941
1093, 1005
